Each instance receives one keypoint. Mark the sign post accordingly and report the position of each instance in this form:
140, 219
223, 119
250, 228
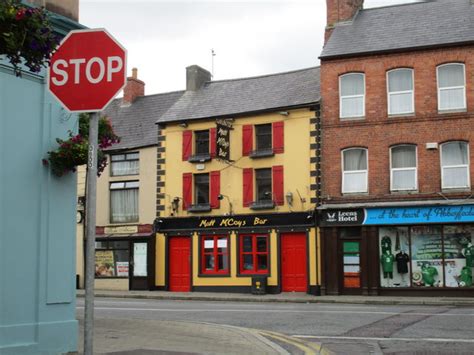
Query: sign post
86, 72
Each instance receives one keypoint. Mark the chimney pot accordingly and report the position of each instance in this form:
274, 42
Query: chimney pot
134, 88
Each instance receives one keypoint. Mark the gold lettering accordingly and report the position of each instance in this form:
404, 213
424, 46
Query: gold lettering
207, 223
257, 221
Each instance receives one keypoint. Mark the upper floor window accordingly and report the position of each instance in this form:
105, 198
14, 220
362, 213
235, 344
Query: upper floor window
124, 164
268, 190
201, 191
455, 165
354, 170
451, 87
403, 174
263, 140
124, 202
400, 91
199, 146
352, 95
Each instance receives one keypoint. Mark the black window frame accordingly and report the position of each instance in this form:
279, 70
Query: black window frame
112, 161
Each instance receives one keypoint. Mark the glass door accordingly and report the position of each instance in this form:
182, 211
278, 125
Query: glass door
139, 266
351, 264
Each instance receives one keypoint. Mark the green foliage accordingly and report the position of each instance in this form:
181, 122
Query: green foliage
25, 32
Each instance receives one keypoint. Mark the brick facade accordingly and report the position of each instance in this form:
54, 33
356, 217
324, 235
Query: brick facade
378, 131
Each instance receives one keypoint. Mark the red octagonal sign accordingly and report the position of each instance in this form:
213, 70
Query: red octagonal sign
87, 70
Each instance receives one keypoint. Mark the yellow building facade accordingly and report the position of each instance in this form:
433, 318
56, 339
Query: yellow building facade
237, 186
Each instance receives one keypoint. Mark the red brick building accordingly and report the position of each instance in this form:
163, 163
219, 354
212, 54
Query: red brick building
397, 86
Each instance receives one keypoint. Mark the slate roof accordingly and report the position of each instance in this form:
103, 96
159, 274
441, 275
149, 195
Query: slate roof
136, 124
225, 98
408, 26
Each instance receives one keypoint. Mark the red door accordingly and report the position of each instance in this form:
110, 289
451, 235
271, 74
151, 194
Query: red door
180, 264
294, 275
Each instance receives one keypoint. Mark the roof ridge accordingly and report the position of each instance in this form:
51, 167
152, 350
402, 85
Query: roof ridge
261, 76
162, 93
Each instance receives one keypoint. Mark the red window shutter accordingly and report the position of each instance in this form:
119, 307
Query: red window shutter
278, 185
215, 188
247, 139
187, 144
212, 142
187, 190
278, 137
248, 187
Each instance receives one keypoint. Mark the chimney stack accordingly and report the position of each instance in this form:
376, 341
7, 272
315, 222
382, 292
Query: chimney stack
68, 8
133, 88
340, 11
196, 77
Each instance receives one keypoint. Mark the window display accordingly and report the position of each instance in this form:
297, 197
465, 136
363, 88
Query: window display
426, 256
111, 259
394, 248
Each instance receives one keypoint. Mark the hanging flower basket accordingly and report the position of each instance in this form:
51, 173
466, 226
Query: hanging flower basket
26, 36
73, 152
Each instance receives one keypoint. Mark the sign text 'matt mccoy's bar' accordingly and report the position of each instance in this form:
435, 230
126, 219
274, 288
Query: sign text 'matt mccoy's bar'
235, 222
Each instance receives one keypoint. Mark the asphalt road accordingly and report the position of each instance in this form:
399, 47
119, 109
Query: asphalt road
341, 328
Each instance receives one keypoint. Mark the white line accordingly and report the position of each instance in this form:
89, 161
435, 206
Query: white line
275, 311
436, 340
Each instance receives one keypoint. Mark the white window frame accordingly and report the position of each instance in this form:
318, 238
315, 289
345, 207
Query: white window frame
123, 185
392, 170
412, 91
355, 172
451, 88
468, 186
351, 96
125, 158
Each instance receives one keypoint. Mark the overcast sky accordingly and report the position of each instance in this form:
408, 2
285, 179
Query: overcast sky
248, 37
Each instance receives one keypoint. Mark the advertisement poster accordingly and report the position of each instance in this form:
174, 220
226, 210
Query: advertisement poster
427, 254
456, 239
104, 263
122, 268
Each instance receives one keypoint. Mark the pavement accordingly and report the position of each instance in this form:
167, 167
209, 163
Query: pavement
289, 297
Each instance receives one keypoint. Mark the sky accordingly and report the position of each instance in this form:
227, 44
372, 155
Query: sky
249, 38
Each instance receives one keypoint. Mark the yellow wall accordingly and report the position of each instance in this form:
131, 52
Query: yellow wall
146, 191
295, 160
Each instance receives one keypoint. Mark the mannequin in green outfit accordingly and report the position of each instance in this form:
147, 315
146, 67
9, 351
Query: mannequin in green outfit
387, 259
429, 273
468, 253
465, 277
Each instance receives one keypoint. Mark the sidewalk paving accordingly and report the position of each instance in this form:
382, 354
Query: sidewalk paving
285, 297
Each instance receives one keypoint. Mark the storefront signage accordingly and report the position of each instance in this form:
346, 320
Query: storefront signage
397, 215
223, 139
236, 222
121, 230
420, 215
342, 217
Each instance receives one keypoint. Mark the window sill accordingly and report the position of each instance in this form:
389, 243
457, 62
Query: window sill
403, 192
128, 223
401, 115
360, 118
199, 158
262, 205
256, 154
455, 189
362, 193
459, 110
205, 207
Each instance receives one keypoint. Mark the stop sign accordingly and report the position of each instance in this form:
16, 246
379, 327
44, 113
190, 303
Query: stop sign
87, 70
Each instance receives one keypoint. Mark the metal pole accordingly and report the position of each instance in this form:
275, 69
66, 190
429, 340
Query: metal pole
91, 197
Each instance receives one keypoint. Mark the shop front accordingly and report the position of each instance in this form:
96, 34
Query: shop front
259, 253
400, 250
124, 258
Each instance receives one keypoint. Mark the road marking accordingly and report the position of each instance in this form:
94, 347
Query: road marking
435, 340
203, 310
307, 348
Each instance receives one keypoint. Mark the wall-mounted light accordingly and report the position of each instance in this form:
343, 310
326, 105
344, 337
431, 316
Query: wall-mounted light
175, 204
183, 124
220, 197
284, 113
289, 198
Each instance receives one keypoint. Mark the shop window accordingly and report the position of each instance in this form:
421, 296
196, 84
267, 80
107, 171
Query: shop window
268, 187
124, 164
426, 256
111, 259
400, 92
451, 87
268, 140
403, 172
214, 254
204, 143
254, 256
352, 95
455, 165
201, 191
124, 202
354, 170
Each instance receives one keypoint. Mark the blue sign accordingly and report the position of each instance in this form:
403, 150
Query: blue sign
419, 215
